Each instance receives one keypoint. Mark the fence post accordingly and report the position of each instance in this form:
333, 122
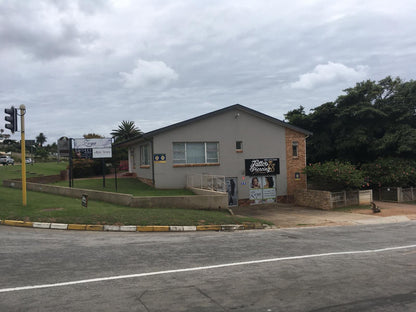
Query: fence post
345, 198
399, 195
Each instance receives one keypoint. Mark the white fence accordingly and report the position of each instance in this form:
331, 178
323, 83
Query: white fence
343, 199
207, 182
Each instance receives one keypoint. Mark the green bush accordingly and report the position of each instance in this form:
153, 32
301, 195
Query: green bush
334, 176
82, 168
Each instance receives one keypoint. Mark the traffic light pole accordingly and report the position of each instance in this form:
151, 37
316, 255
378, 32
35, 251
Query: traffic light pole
23, 152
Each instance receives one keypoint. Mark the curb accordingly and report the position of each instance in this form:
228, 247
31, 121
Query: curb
133, 228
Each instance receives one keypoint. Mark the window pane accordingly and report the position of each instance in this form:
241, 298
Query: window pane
144, 155
212, 152
295, 149
179, 153
195, 153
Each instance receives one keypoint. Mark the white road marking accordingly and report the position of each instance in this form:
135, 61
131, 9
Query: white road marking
209, 267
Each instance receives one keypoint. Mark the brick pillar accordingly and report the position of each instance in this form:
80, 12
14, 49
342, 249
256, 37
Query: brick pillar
295, 164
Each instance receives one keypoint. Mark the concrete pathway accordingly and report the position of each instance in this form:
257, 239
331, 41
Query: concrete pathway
288, 215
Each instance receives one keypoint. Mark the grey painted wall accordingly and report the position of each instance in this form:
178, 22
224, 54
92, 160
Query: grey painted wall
261, 139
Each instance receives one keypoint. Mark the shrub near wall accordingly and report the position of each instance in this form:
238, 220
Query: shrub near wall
83, 168
334, 176
390, 172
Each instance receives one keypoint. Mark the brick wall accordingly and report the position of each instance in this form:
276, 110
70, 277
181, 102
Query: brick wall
295, 164
313, 198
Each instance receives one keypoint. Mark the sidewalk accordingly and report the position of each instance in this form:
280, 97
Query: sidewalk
288, 215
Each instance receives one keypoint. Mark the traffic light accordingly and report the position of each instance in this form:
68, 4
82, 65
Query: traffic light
12, 118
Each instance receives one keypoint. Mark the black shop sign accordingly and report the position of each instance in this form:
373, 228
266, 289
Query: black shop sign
262, 166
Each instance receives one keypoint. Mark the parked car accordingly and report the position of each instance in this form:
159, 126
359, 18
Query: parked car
6, 160
30, 161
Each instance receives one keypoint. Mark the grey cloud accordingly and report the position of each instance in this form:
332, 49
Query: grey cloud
29, 31
214, 54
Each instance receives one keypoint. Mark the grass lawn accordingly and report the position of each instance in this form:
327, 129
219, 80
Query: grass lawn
126, 186
43, 207
35, 170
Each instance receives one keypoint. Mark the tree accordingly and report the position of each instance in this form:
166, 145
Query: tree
125, 131
40, 139
92, 136
371, 120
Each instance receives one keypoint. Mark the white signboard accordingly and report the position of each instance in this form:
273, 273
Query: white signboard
101, 153
99, 148
92, 143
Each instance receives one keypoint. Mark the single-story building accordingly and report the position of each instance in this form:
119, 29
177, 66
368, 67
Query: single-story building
258, 158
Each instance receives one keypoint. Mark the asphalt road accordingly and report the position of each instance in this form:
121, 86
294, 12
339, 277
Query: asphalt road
353, 268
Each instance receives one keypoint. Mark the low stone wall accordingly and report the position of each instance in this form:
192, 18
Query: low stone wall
327, 200
214, 200
313, 198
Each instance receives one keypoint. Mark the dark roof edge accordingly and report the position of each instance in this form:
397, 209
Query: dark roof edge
151, 134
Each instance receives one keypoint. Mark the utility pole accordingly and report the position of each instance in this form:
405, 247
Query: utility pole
23, 152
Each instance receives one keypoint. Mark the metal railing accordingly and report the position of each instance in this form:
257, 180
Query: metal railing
395, 194
207, 182
345, 198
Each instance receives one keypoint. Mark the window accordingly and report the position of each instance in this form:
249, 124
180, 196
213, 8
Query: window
295, 149
195, 153
132, 158
144, 155
239, 146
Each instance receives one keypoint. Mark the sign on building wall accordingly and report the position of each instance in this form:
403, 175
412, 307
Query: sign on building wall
262, 166
232, 190
159, 158
262, 189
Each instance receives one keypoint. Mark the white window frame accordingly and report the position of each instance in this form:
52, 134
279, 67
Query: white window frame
177, 161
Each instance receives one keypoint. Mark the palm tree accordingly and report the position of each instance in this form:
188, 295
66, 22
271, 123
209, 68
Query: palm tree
40, 139
126, 130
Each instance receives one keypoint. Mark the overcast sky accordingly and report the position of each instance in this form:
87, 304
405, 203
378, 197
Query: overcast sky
84, 66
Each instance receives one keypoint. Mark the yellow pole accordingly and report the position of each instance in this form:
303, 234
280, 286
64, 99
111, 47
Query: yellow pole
23, 150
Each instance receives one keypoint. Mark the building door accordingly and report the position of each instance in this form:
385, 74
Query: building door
232, 190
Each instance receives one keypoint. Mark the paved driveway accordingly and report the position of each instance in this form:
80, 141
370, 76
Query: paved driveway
288, 215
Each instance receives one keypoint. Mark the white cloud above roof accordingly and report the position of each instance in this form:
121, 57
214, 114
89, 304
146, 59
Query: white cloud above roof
148, 73
331, 73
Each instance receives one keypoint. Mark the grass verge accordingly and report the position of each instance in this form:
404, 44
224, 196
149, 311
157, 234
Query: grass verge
42, 207
52, 208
